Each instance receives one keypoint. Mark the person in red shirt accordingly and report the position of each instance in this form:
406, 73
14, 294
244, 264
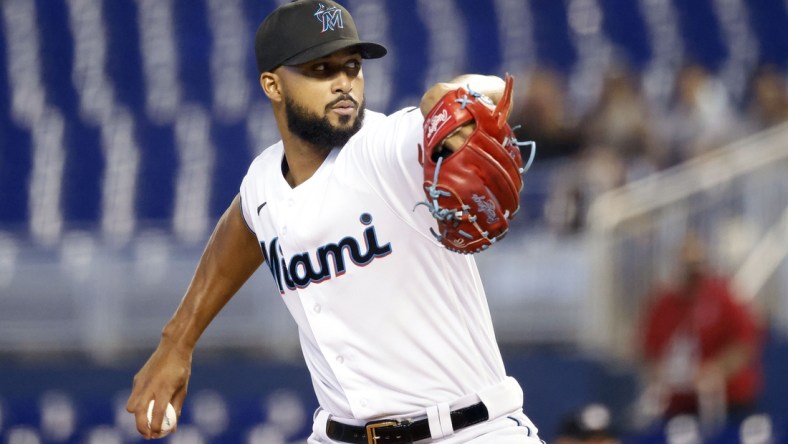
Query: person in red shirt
701, 345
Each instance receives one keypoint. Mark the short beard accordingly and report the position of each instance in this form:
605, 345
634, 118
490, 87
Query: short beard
318, 130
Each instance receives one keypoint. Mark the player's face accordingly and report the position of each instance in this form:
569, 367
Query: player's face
324, 98
319, 130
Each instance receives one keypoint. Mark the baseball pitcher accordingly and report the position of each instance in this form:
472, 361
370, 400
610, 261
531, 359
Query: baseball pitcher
368, 224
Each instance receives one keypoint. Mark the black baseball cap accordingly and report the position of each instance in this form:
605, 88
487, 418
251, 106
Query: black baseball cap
305, 30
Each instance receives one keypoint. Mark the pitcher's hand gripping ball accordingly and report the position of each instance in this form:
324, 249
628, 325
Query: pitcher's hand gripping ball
169, 420
473, 192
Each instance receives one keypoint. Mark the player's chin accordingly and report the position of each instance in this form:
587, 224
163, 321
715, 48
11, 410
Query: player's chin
344, 121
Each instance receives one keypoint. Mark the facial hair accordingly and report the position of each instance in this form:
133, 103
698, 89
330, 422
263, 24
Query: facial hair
318, 130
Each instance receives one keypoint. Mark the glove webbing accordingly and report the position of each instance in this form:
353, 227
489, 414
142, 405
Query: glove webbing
449, 214
463, 101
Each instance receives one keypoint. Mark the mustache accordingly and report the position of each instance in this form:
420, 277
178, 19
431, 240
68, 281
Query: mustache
347, 97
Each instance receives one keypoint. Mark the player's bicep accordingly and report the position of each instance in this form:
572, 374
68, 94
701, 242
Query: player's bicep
233, 249
244, 210
241, 236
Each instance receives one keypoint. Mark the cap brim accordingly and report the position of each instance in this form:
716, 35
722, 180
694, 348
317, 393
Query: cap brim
368, 50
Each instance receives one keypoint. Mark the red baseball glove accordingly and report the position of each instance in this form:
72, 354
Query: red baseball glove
474, 191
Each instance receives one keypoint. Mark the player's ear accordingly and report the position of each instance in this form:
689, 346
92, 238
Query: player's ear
271, 87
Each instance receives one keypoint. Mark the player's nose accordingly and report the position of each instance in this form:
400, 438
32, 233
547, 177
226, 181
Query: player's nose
342, 83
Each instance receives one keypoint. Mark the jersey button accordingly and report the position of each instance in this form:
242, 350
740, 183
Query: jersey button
290, 202
316, 308
340, 359
284, 230
363, 402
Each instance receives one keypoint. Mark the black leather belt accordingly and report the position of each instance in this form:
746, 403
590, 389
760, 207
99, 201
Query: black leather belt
402, 432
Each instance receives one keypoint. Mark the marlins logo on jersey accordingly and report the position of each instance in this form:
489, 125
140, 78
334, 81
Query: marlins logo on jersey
300, 270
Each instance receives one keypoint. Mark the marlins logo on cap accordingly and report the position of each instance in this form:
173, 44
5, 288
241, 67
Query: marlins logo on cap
306, 30
330, 17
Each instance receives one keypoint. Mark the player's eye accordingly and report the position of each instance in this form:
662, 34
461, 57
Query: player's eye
327, 69
352, 67
322, 70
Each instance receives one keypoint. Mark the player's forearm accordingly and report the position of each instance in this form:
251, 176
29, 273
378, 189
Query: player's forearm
230, 257
490, 86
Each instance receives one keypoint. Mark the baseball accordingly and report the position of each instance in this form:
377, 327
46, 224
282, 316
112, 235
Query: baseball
169, 420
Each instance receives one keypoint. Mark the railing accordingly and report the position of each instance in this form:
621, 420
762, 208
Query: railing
735, 197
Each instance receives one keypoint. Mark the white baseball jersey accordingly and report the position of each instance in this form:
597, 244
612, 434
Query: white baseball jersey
389, 321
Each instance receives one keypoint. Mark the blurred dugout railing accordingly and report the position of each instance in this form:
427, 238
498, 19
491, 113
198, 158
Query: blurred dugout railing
91, 297
736, 198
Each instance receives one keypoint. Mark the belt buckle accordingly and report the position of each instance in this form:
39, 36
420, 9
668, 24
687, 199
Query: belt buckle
372, 438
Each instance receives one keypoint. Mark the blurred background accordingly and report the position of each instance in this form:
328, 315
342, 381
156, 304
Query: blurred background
126, 127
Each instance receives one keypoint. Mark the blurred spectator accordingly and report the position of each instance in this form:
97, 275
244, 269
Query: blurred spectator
591, 424
542, 115
622, 123
767, 99
618, 146
576, 184
701, 117
701, 346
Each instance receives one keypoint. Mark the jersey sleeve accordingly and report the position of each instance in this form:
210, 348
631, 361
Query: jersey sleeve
253, 191
247, 199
